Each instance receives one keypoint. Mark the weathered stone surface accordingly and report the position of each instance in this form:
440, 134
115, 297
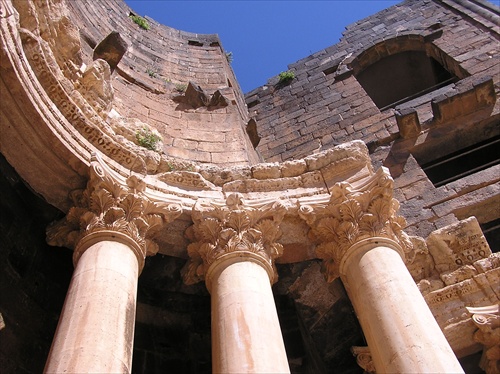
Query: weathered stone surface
408, 123
431, 125
95, 87
60, 102
111, 49
457, 245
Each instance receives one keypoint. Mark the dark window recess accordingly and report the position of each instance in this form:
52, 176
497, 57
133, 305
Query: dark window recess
331, 70
401, 77
195, 42
491, 231
463, 162
253, 103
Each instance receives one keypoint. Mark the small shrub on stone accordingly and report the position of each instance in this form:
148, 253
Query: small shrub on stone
180, 87
142, 22
229, 57
286, 76
148, 139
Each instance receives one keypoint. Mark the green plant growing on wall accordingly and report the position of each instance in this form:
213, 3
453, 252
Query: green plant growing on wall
229, 57
180, 87
148, 139
151, 73
142, 22
286, 76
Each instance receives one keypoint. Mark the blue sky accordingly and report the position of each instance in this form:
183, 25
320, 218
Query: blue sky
264, 36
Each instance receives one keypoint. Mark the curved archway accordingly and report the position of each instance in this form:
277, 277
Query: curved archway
400, 69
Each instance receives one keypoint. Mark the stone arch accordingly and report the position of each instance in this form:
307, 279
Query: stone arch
397, 70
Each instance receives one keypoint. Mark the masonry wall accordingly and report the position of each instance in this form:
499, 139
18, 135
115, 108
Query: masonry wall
325, 105
34, 277
150, 84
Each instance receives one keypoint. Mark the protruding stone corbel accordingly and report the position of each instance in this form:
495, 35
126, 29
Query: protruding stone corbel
353, 214
233, 229
487, 319
118, 208
364, 359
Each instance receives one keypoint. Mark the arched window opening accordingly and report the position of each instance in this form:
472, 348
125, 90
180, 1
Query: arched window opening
402, 77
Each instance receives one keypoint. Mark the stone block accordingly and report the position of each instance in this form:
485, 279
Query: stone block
266, 171
111, 49
293, 168
457, 245
408, 122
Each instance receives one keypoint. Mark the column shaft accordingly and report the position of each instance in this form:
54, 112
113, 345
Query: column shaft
246, 335
96, 328
401, 331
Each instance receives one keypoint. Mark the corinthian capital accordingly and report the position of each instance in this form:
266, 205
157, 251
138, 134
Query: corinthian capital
487, 320
110, 204
352, 214
232, 227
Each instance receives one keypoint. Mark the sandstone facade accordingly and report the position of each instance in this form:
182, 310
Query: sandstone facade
202, 223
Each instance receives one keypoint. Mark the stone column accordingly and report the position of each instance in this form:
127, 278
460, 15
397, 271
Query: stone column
362, 242
234, 249
110, 229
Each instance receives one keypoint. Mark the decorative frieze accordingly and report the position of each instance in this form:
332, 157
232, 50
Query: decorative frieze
109, 205
232, 228
352, 214
457, 245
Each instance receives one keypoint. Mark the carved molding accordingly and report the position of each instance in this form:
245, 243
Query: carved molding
353, 214
229, 228
487, 319
109, 205
364, 358
6, 9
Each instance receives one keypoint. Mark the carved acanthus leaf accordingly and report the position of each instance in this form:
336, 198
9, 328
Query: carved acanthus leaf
133, 206
194, 270
266, 230
327, 229
239, 220
109, 204
233, 227
101, 200
353, 214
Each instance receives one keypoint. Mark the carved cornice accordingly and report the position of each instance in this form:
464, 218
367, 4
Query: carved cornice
221, 230
487, 319
107, 205
353, 214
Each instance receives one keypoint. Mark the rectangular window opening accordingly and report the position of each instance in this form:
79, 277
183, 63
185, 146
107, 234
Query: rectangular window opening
491, 231
253, 103
463, 162
195, 42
